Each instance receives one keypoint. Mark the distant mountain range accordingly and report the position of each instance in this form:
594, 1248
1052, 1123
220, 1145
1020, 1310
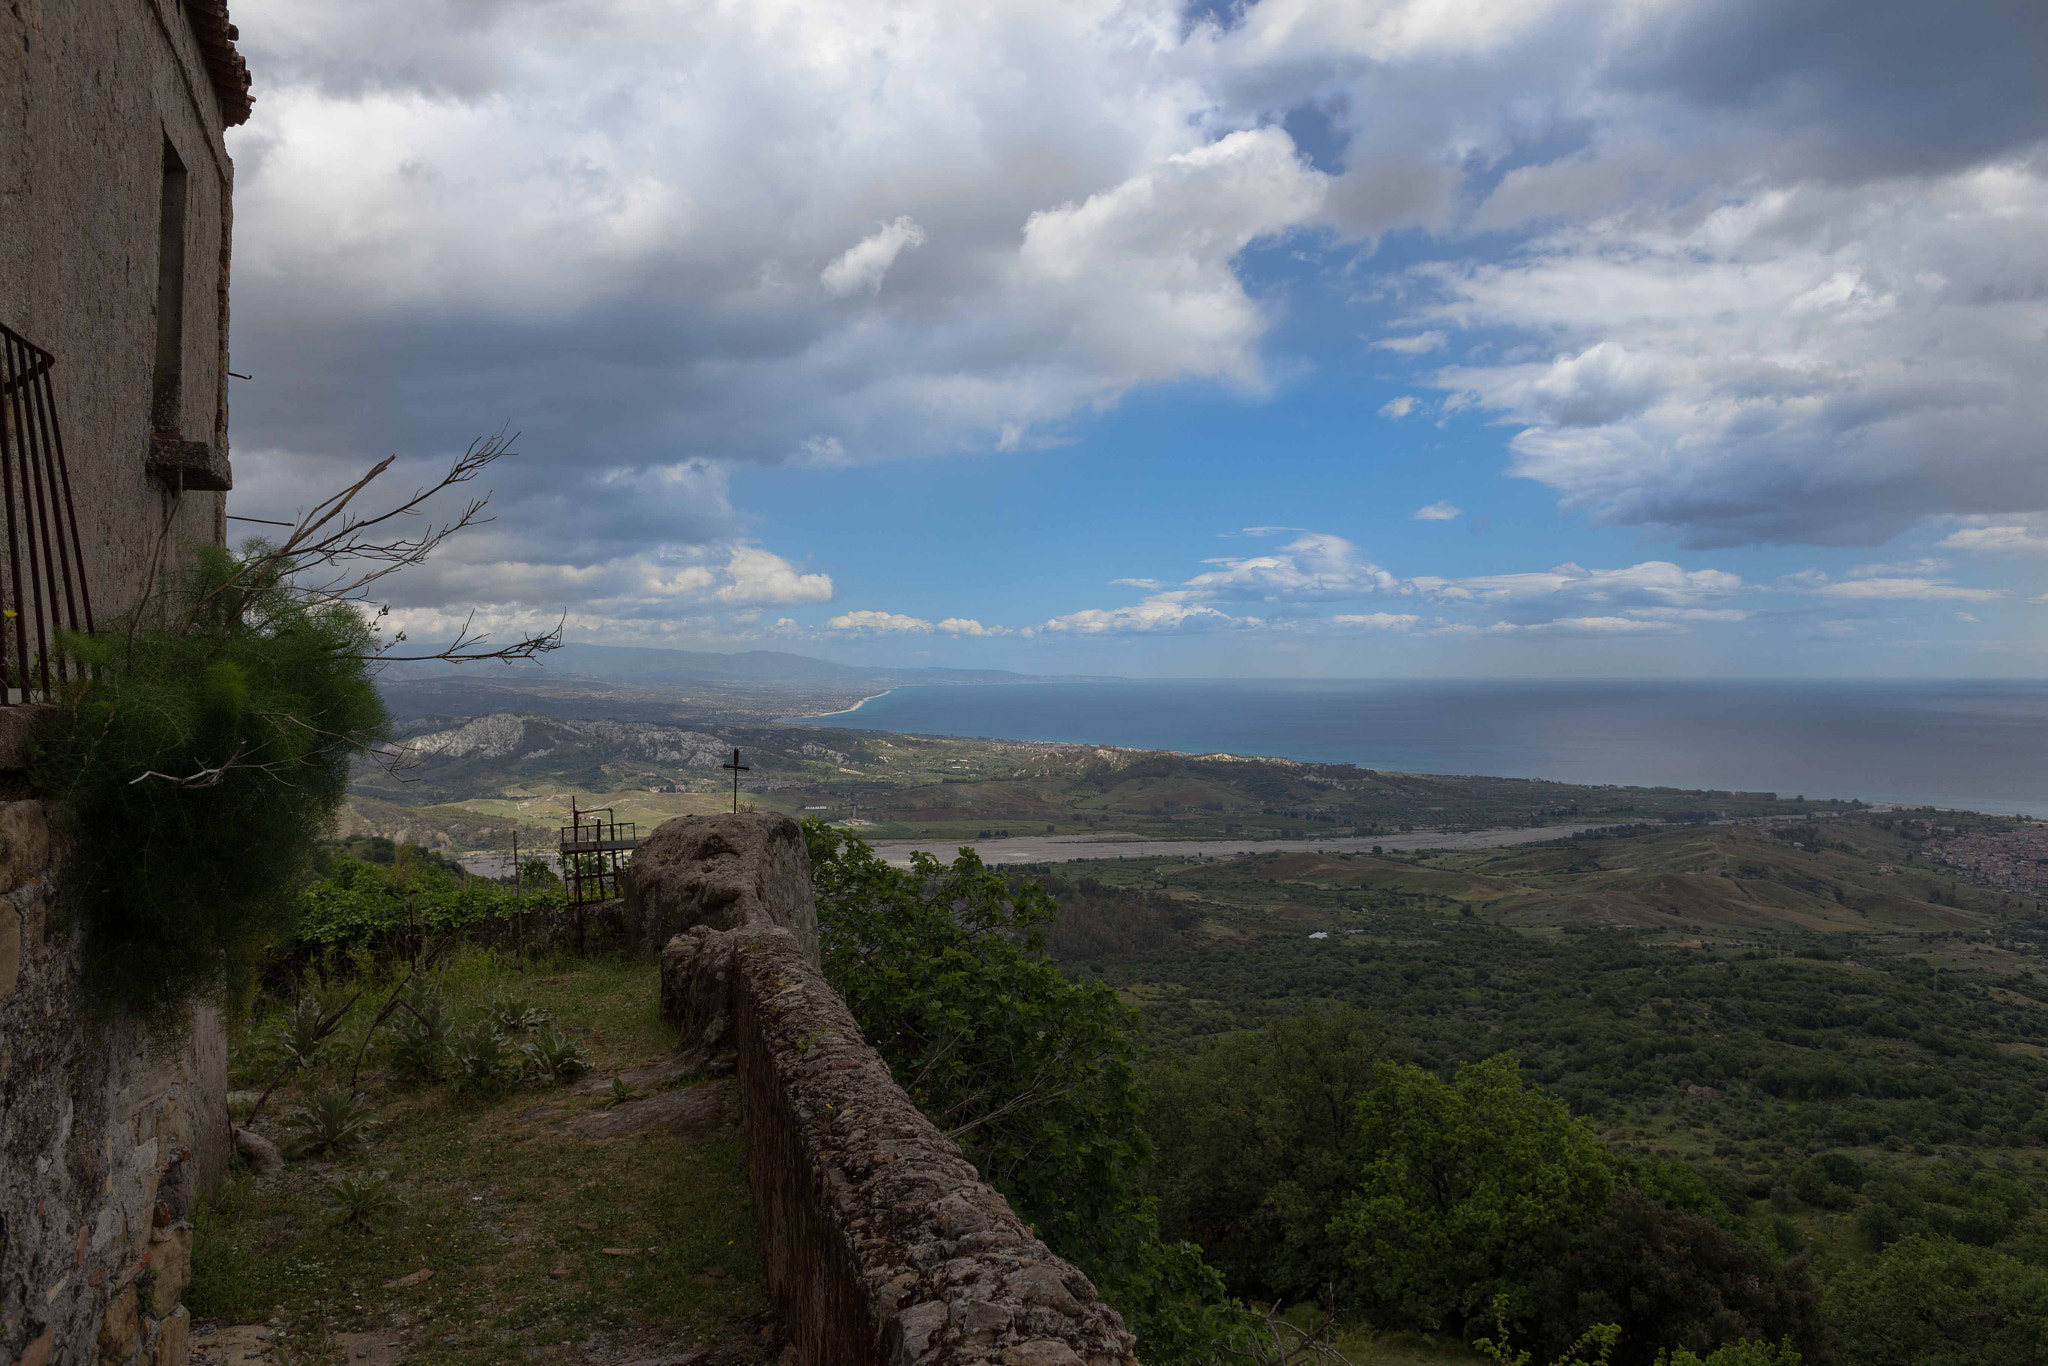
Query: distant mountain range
650, 667
627, 664
668, 687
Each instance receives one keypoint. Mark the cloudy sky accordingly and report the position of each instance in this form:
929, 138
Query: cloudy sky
1304, 337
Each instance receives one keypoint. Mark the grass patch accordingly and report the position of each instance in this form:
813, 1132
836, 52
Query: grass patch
536, 1236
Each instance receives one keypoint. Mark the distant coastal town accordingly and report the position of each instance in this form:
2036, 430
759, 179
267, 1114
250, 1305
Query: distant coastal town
2016, 860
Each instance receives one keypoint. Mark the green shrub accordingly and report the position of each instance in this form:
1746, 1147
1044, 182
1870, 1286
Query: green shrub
482, 1060
554, 1056
513, 1015
362, 907
359, 1200
330, 1121
206, 754
304, 1036
1749, 1352
1939, 1302
419, 1050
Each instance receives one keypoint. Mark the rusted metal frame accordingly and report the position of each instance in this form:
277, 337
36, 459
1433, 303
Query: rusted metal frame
37, 478
16, 379
56, 470
32, 453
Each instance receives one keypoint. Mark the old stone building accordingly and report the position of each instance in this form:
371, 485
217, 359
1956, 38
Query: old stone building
115, 213
115, 199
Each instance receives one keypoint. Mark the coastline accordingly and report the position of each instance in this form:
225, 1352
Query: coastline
843, 711
1973, 745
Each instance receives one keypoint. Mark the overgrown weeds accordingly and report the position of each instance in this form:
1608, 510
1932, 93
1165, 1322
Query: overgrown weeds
503, 1198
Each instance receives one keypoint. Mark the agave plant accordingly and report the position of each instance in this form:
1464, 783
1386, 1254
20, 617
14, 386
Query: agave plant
482, 1058
303, 1037
420, 1052
330, 1121
554, 1056
360, 1200
514, 1016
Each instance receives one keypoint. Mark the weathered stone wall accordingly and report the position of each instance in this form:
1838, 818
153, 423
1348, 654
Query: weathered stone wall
106, 1137
93, 92
719, 873
883, 1245
107, 1140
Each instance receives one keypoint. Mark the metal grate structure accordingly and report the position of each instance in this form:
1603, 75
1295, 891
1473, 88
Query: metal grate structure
592, 848
43, 590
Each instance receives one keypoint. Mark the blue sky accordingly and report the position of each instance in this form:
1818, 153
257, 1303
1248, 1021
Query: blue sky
1416, 337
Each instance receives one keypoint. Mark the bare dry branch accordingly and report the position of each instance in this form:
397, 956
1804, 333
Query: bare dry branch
467, 648
354, 550
1281, 1343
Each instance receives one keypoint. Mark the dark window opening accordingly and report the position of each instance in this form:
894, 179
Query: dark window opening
165, 399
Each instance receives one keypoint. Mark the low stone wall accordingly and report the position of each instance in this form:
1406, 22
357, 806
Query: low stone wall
883, 1245
107, 1140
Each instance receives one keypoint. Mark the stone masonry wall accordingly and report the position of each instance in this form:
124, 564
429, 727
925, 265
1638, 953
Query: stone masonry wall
107, 1141
883, 1245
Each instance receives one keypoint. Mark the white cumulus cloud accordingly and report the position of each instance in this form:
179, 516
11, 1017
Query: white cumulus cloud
1908, 590
1420, 344
753, 575
1315, 566
894, 623
1442, 510
2000, 535
865, 262
1162, 613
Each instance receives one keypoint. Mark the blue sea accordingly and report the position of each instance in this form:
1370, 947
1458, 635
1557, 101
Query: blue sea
1973, 746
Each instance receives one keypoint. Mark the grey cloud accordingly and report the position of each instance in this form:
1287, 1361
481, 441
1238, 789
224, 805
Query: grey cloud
609, 225
1858, 88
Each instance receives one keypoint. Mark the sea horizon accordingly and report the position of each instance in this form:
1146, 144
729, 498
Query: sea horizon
1978, 745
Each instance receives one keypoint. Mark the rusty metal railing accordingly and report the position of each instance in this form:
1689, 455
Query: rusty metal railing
592, 846
44, 590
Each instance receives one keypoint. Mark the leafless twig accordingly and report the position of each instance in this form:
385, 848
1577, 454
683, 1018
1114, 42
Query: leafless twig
355, 549
1276, 1342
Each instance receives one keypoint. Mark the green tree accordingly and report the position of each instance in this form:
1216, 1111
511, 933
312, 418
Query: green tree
1463, 1187
1257, 1138
943, 965
1939, 1302
1669, 1278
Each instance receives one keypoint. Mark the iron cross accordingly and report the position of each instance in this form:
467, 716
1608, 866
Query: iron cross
737, 768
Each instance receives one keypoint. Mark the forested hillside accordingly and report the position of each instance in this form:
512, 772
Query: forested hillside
1807, 1060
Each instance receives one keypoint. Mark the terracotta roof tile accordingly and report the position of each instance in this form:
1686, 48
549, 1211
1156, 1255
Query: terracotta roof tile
224, 65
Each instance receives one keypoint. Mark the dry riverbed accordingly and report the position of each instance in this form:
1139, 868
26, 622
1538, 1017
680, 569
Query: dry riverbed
1064, 848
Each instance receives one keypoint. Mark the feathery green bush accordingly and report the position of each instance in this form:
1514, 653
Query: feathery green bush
196, 766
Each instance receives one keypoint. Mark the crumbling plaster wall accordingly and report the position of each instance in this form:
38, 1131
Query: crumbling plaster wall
883, 1245
89, 93
107, 1139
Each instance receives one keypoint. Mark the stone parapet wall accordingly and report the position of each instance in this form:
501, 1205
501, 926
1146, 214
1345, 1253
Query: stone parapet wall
883, 1245
107, 1140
